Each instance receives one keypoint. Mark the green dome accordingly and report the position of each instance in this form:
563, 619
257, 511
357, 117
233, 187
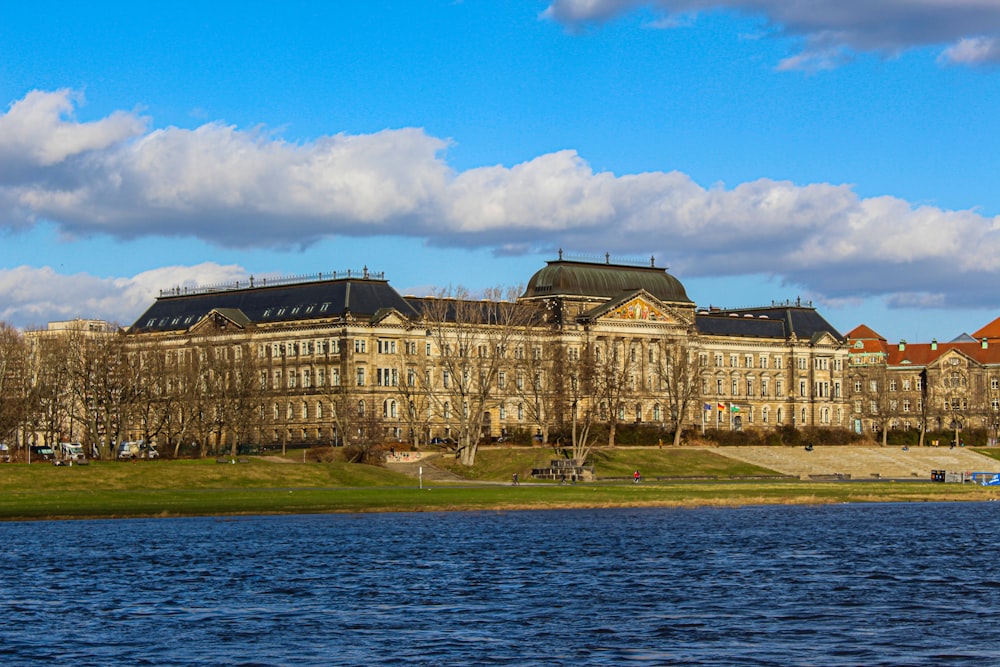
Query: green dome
603, 281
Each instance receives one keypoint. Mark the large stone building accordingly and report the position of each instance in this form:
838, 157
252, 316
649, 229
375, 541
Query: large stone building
926, 387
336, 355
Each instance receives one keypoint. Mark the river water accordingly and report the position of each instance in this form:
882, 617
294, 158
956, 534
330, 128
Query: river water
882, 584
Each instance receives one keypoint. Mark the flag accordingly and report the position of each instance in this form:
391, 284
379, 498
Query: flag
721, 406
734, 408
708, 407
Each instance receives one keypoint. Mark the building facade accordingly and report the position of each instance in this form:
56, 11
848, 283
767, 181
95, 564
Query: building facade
926, 387
336, 357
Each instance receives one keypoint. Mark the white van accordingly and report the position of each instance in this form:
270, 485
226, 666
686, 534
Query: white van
69, 452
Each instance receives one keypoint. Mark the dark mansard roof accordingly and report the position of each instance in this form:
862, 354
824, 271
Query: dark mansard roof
362, 297
778, 321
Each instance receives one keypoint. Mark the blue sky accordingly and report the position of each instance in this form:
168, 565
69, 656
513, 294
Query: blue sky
845, 155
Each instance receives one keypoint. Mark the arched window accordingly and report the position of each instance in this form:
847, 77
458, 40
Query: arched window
656, 409
361, 408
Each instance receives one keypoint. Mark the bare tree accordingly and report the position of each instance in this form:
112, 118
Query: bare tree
613, 373
345, 399
413, 392
536, 383
103, 379
239, 393
873, 397
155, 400
678, 368
49, 408
955, 395
579, 368
14, 381
472, 339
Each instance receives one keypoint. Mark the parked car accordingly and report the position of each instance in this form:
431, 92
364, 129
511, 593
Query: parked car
42, 453
137, 450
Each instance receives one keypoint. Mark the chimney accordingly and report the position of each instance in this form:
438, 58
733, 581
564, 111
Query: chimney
902, 345
986, 344
934, 344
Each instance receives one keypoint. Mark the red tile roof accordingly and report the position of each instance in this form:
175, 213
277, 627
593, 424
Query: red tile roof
863, 332
990, 331
922, 354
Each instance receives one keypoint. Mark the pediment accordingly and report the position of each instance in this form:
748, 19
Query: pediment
220, 319
639, 307
951, 359
390, 317
824, 338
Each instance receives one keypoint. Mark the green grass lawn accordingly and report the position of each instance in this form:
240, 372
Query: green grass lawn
184, 488
497, 463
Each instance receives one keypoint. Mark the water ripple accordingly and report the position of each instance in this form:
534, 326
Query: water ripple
894, 584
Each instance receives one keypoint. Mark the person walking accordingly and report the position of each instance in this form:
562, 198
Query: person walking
636, 477
514, 480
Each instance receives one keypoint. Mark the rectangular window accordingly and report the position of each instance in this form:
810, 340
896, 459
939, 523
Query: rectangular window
361, 377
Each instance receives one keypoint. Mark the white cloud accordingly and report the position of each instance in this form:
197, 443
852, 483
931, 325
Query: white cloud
972, 51
248, 188
34, 296
39, 130
832, 29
